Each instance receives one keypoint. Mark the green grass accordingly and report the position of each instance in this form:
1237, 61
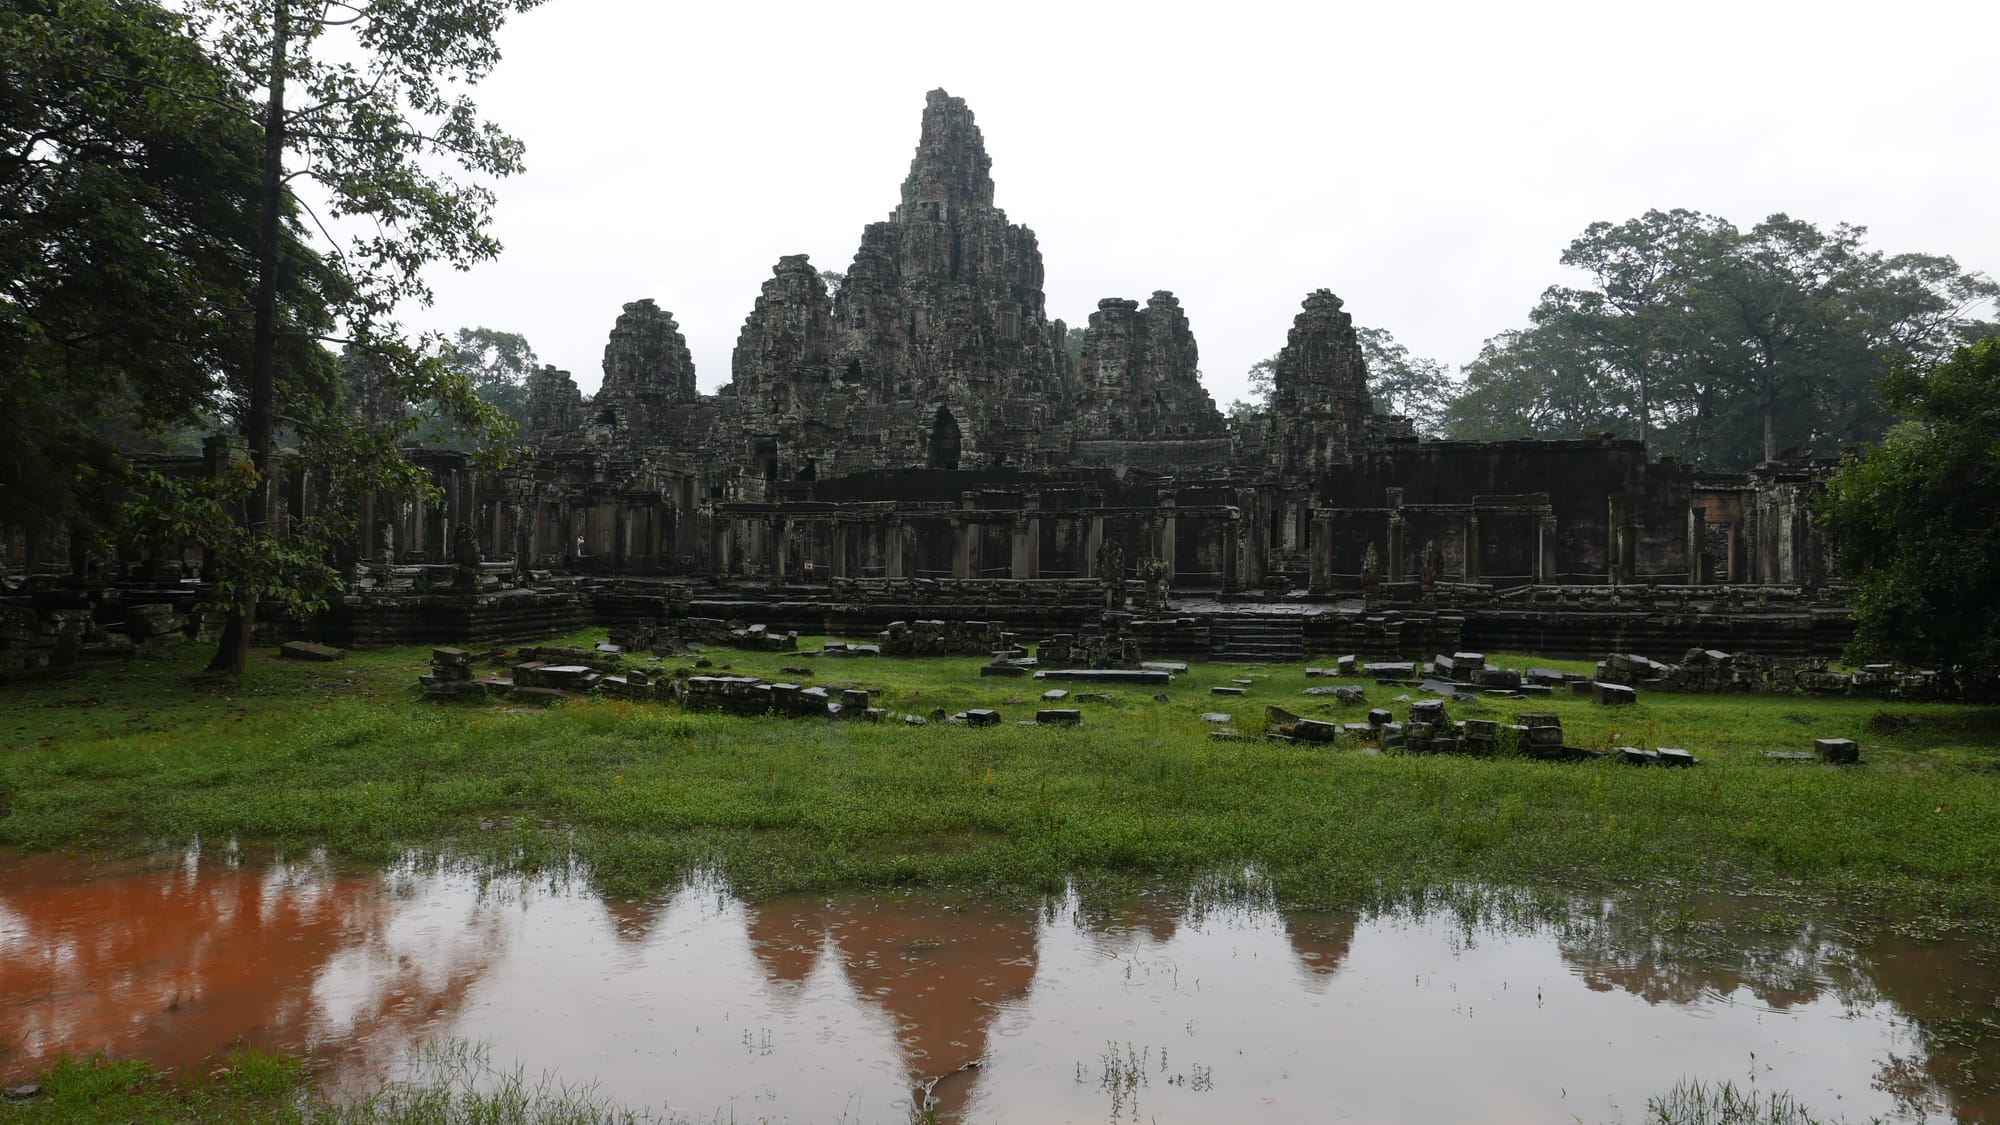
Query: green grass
450, 1084
349, 757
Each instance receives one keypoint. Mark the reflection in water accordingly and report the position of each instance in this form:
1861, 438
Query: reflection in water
866, 1007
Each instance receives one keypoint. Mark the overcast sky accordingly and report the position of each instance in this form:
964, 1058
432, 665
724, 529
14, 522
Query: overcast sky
1426, 162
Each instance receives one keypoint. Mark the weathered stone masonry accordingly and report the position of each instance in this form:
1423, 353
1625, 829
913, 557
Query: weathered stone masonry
925, 423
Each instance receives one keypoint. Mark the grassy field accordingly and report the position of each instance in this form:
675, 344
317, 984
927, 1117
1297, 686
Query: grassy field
348, 756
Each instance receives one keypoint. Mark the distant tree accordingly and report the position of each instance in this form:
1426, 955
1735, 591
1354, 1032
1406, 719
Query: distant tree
1418, 388
1718, 344
1073, 344
1915, 521
497, 365
834, 279
1541, 382
1262, 381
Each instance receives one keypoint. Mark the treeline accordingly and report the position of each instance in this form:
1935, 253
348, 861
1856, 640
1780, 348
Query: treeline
1716, 344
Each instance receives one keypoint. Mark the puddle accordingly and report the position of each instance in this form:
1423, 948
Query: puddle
848, 1007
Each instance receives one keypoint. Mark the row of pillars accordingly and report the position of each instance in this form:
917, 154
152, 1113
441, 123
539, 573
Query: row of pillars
767, 536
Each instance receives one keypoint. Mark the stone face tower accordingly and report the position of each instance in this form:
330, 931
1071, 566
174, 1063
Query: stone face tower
647, 372
943, 314
1138, 376
1320, 404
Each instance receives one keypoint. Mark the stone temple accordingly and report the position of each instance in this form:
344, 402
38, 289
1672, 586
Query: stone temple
921, 444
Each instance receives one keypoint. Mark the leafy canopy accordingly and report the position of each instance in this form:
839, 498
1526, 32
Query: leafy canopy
1916, 520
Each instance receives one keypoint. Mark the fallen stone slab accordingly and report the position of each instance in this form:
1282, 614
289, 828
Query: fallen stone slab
983, 717
1169, 666
1314, 730
1612, 695
1344, 694
1633, 756
1107, 676
1215, 717
1055, 695
1839, 751
307, 650
1669, 756
1221, 690
1394, 670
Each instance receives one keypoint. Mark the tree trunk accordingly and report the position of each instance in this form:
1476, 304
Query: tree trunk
1770, 406
259, 425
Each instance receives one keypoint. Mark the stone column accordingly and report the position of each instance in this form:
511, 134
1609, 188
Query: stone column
1614, 522
781, 542
1093, 542
1697, 539
965, 549
1256, 538
1169, 544
1320, 571
893, 549
1472, 548
1232, 553
837, 565
1545, 550
1392, 568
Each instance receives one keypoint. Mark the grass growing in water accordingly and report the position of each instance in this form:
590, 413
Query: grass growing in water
1699, 1103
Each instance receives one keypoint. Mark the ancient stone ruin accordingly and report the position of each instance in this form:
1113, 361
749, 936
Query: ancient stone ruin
919, 445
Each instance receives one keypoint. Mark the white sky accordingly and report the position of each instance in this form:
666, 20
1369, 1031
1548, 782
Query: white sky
1426, 162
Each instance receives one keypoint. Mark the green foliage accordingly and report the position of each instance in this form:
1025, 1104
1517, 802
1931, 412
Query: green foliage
1717, 344
1418, 388
128, 171
496, 366
365, 102
1916, 520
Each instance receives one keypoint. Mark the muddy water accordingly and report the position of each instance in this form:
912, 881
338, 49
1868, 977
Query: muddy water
850, 1007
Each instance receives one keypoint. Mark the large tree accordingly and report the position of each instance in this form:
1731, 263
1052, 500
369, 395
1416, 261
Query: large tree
128, 166
1414, 386
364, 100
1915, 521
1718, 344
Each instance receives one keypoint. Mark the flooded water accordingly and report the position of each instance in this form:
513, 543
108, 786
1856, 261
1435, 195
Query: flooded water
850, 1008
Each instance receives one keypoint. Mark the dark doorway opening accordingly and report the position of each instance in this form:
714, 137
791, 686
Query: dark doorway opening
944, 440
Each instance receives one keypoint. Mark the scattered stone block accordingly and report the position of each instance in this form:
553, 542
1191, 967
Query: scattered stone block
307, 650
1215, 717
1633, 756
1221, 690
1613, 695
1168, 666
1840, 751
1669, 756
1108, 676
983, 717
1380, 718
1055, 695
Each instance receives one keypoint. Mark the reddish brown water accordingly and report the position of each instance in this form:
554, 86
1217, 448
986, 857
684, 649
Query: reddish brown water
849, 1007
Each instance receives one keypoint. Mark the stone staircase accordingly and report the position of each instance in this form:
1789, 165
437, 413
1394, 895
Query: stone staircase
1273, 639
